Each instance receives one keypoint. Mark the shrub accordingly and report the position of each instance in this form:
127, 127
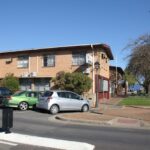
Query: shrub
76, 82
10, 82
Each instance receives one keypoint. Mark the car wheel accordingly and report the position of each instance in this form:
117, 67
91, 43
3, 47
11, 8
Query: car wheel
85, 108
23, 106
54, 109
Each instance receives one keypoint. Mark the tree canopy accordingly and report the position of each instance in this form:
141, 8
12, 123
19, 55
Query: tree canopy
139, 61
130, 77
76, 82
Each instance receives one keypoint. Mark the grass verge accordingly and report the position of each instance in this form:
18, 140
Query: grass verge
136, 100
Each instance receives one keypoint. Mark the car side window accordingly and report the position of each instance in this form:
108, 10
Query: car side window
74, 96
62, 94
32, 94
71, 95
68, 95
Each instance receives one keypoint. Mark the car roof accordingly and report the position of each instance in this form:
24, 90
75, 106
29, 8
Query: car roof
58, 91
4, 88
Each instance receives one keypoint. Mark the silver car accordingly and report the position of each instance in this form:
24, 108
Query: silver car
55, 101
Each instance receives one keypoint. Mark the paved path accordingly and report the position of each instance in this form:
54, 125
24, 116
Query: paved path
113, 115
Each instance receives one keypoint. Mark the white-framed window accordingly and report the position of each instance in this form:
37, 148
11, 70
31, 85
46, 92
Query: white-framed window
23, 61
48, 60
103, 85
78, 58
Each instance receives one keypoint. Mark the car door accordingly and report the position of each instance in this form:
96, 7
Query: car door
32, 98
75, 101
64, 100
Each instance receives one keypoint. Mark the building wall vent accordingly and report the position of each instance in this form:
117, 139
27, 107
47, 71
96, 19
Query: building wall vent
33, 74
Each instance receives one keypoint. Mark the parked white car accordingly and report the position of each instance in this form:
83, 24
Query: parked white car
55, 101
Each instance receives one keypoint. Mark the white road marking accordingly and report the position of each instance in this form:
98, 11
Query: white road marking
45, 142
8, 143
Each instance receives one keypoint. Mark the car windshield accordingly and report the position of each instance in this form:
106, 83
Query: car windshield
19, 93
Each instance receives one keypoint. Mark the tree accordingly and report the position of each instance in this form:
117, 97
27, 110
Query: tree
130, 77
10, 82
76, 82
139, 61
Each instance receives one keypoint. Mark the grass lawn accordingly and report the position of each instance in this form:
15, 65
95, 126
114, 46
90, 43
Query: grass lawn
136, 100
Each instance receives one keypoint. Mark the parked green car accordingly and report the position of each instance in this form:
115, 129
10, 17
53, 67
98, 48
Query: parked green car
23, 100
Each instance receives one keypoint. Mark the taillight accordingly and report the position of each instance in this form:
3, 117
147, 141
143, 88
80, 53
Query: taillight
9, 98
49, 98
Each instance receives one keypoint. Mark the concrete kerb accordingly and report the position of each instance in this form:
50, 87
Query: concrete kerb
139, 124
141, 107
118, 121
92, 122
130, 123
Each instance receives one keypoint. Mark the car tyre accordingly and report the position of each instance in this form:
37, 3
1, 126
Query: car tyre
23, 106
54, 109
85, 108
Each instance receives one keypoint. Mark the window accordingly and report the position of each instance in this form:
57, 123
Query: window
32, 94
49, 60
68, 95
23, 61
78, 58
62, 94
103, 56
74, 96
103, 85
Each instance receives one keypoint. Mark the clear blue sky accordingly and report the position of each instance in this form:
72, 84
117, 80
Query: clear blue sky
46, 23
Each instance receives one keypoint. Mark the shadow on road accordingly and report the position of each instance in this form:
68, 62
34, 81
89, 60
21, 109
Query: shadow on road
1, 130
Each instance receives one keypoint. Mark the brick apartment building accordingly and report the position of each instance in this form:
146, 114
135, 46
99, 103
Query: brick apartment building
36, 67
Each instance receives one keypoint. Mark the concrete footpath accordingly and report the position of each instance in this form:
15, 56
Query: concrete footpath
109, 113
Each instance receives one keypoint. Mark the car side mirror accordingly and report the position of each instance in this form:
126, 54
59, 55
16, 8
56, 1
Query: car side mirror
81, 98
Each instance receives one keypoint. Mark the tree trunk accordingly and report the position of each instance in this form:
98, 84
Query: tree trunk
148, 89
145, 88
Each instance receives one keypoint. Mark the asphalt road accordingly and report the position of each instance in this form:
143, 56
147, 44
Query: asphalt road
104, 138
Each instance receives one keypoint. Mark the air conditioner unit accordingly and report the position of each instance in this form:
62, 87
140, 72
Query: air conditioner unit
87, 71
25, 75
89, 59
33, 74
8, 60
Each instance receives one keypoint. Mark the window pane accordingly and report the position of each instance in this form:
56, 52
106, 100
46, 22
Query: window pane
75, 96
78, 58
23, 61
61, 94
48, 60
